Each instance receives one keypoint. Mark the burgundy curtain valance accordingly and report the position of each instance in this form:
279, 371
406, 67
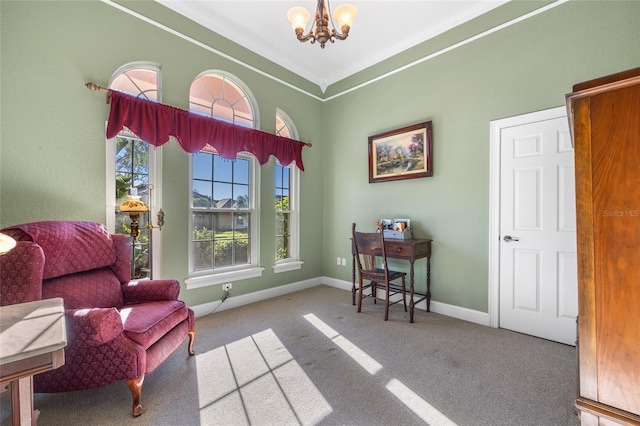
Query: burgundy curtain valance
154, 123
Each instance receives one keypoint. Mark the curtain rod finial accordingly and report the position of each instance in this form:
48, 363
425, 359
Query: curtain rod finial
94, 87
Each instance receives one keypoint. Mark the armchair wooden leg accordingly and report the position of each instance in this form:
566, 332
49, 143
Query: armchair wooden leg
192, 336
136, 388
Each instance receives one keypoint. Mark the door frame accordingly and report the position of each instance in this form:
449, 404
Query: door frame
496, 127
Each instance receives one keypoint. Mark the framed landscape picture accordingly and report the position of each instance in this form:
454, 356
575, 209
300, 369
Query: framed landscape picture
404, 153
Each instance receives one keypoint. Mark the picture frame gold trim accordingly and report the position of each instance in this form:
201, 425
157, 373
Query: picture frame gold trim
405, 153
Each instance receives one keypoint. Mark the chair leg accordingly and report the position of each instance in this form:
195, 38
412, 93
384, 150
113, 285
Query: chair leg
360, 297
404, 295
135, 385
386, 303
192, 336
374, 291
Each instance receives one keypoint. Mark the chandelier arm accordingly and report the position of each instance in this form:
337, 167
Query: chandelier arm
340, 36
308, 36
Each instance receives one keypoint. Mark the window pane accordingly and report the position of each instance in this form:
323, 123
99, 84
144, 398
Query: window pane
241, 251
202, 226
222, 111
202, 194
222, 169
202, 166
241, 196
202, 255
223, 226
203, 241
278, 173
138, 82
222, 195
241, 171
223, 253
282, 236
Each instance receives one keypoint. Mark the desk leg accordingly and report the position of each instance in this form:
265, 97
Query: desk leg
411, 303
429, 284
22, 412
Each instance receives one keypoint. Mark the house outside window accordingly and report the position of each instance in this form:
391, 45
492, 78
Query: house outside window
286, 204
132, 165
224, 201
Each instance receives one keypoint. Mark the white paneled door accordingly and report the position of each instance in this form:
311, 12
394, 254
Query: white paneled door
537, 246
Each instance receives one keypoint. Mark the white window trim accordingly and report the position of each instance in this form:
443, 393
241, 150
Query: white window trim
287, 265
293, 262
211, 277
222, 277
155, 173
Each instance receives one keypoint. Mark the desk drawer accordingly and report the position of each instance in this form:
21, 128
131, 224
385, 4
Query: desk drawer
398, 250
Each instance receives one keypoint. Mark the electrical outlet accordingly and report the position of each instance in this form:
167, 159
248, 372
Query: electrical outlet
338, 261
344, 261
226, 286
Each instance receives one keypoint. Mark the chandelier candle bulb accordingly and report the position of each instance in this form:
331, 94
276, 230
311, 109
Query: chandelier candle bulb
298, 16
345, 14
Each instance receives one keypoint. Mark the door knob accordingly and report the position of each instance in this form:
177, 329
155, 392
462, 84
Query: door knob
509, 238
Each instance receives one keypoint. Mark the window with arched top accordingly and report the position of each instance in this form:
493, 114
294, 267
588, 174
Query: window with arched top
223, 195
133, 167
286, 203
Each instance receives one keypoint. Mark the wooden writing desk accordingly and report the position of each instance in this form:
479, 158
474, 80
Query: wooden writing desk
32, 340
410, 250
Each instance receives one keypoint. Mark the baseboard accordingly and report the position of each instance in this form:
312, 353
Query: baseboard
231, 302
453, 311
256, 296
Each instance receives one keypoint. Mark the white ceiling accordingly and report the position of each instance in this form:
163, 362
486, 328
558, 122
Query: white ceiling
380, 30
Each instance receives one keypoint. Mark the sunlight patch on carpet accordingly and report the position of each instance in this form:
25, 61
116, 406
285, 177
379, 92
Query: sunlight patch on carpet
236, 382
427, 412
369, 364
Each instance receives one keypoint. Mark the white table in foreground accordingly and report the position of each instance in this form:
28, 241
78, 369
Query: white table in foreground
32, 340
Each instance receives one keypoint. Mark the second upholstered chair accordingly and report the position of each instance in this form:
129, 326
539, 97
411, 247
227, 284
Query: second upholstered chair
368, 247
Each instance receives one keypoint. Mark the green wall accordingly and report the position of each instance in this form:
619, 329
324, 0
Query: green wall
52, 155
52, 148
526, 67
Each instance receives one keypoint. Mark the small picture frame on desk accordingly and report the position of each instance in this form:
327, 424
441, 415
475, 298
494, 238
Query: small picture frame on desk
405, 153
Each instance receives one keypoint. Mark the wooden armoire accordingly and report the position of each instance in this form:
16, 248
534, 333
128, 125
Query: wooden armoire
605, 122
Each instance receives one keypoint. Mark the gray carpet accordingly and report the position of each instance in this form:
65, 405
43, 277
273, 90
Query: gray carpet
309, 358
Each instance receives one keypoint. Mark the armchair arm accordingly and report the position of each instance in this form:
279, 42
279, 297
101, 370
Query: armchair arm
150, 291
21, 272
93, 327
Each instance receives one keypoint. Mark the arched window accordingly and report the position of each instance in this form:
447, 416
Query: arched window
224, 201
133, 167
286, 203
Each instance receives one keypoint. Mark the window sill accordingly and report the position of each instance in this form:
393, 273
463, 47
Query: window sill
223, 277
287, 266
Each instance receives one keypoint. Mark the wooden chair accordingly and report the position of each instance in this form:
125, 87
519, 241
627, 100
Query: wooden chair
367, 247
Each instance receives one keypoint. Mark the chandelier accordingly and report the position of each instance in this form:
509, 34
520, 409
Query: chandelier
344, 14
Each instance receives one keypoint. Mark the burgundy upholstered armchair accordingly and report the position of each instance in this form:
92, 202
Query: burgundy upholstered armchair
116, 330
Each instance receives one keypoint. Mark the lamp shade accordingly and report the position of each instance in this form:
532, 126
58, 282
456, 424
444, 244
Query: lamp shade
6, 243
133, 204
298, 16
345, 14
